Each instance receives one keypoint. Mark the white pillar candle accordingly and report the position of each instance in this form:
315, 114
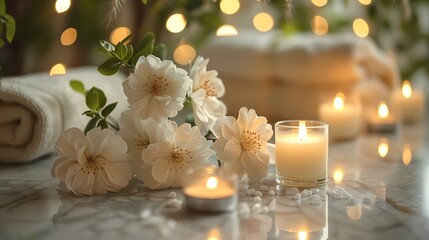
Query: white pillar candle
408, 103
343, 117
301, 153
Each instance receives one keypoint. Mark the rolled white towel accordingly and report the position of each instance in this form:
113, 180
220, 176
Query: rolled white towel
35, 109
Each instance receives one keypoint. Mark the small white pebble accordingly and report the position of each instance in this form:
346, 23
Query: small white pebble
297, 196
258, 193
339, 189
264, 188
243, 209
366, 201
174, 203
306, 193
322, 196
171, 223
271, 192
315, 200
291, 191
256, 208
349, 196
264, 210
338, 196
315, 190
251, 192
329, 191
172, 195
145, 213
352, 201
257, 200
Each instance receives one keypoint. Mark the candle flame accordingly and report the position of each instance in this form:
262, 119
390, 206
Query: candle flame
214, 234
302, 131
338, 175
407, 155
302, 235
383, 148
339, 101
383, 110
211, 183
406, 89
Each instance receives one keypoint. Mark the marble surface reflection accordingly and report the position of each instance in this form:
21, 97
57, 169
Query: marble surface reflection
378, 189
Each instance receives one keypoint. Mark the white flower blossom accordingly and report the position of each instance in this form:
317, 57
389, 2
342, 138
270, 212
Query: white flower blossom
139, 134
206, 91
92, 164
165, 162
241, 143
157, 89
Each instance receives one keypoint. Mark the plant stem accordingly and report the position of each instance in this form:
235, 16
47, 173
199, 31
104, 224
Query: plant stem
107, 121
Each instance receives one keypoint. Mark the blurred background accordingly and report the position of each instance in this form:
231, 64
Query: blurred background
67, 32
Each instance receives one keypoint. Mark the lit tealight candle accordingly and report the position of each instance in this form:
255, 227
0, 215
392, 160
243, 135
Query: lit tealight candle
210, 191
301, 153
383, 120
343, 117
408, 103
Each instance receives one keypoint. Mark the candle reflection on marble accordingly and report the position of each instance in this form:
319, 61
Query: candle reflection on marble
383, 147
295, 220
354, 211
407, 154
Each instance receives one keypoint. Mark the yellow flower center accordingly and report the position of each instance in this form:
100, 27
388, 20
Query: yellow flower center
156, 85
141, 143
94, 163
251, 141
179, 157
210, 89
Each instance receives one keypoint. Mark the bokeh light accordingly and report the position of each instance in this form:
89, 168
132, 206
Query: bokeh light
319, 3
365, 2
68, 37
176, 23
319, 25
263, 22
118, 34
226, 30
229, 6
184, 54
62, 5
58, 69
338, 175
360, 27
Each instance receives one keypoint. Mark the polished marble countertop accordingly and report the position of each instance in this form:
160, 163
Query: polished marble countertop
388, 199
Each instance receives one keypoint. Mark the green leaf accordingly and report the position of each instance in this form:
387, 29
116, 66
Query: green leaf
91, 124
103, 124
101, 98
160, 51
126, 39
145, 1
108, 109
1, 43
121, 50
109, 67
144, 48
130, 52
2, 7
89, 113
10, 28
92, 99
77, 86
107, 46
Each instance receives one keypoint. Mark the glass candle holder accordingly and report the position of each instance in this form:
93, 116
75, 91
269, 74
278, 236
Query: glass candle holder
211, 189
301, 153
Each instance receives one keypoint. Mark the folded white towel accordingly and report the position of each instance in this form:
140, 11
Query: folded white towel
35, 109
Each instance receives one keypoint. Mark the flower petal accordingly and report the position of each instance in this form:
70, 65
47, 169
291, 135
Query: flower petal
161, 170
256, 165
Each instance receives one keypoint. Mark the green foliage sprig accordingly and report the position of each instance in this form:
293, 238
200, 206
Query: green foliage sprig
122, 55
7, 24
95, 100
